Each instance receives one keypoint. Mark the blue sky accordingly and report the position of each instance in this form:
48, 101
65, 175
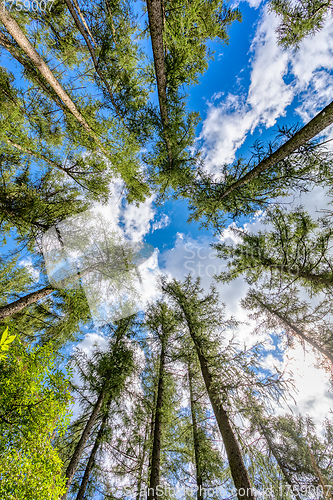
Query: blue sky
250, 88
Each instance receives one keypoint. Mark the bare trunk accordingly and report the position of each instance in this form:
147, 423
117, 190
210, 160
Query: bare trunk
19, 304
195, 438
277, 458
92, 456
155, 17
308, 132
234, 454
6, 43
74, 462
322, 481
154, 479
83, 32
18, 35
296, 330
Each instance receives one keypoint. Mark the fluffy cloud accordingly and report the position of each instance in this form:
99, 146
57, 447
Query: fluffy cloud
228, 124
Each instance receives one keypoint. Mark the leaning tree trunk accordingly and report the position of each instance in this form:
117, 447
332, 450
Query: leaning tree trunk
93, 453
234, 454
84, 30
18, 35
74, 462
308, 132
273, 451
321, 479
296, 330
19, 304
155, 459
196, 442
155, 17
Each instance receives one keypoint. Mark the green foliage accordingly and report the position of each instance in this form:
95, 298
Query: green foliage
34, 404
308, 166
299, 19
4, 343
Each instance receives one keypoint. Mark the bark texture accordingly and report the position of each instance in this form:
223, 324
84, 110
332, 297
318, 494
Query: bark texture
19, 304
155, 17
196, 441
154, 478
308, 132
296, 330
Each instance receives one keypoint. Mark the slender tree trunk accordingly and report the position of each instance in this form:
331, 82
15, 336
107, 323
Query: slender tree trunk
141, 463
237, 467
277, 458
92, 455
18, 35
91, 49
74, 462
155, 17
308, 132
19, 304
31, 71
155, 460
196, 441
322, 481
296, 330
234, 454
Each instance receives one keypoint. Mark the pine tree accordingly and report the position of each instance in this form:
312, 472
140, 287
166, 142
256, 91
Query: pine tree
106, 373
299, 20
200, 317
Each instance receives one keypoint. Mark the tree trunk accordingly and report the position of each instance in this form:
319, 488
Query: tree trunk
155, 17
155, 460
31, 71
319, 475
141, 463
74, 462
27, 300
234, 454
296, 330
238, 470
277, 458
92, 455
308, 132
18, 35
196, 442
83, 32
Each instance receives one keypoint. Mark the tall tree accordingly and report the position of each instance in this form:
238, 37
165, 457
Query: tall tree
200, 316
162, 322
107, 378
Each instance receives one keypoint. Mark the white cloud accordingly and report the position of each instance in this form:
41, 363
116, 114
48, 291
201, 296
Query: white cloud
162, 223
34, 273
228, 123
